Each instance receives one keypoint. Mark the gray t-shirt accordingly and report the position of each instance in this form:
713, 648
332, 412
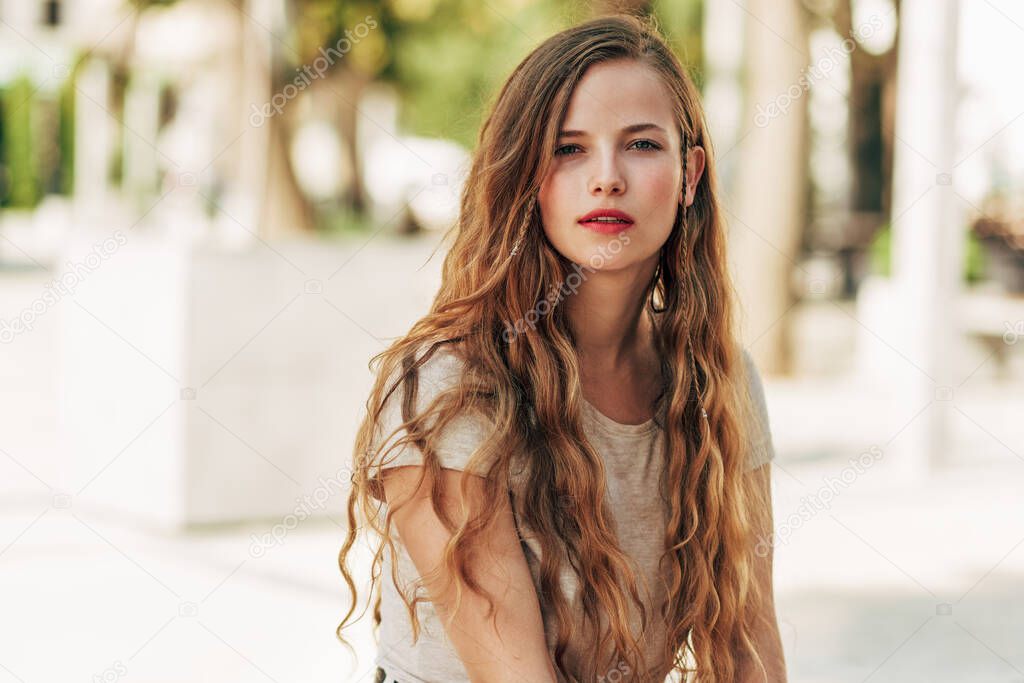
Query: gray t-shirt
633, 462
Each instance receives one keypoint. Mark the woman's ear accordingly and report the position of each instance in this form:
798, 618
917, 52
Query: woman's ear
694, 169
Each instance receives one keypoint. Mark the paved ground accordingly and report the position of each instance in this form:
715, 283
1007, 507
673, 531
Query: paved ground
891, 582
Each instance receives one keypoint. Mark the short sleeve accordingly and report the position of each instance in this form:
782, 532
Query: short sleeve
761, 449
459, 439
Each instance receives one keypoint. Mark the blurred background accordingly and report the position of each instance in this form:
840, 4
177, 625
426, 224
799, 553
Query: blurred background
213, 212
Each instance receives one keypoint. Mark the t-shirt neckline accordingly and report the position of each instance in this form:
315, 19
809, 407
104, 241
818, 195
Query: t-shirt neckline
619, 427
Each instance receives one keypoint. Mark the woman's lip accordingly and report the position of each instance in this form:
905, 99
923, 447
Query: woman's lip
606, 213
606, 228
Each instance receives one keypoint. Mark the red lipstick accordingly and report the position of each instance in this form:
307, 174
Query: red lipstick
607, 221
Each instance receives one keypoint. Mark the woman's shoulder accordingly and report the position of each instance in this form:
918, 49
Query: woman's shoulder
755, 386
442, 363
458, 438
749, 366
438, 367
762, 447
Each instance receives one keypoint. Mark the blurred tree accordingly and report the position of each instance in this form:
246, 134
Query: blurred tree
283, 208
447, 76
446, 59
316, 27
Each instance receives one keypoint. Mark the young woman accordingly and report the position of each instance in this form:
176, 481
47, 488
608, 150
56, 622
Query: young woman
563, 458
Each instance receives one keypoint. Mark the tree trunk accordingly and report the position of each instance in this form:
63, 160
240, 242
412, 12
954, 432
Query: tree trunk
351, 84
265, 175
285, 211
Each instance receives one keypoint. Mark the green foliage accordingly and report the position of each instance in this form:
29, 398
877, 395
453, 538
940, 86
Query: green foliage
16, 145
321, 24
342, 223
449, 76
880, 255
682, 24
66, 134
879, 251
974, 258
448, 58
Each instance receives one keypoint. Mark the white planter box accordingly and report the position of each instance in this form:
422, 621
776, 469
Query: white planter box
200, 386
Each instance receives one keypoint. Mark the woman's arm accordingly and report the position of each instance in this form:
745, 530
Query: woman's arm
517, 650
766, 637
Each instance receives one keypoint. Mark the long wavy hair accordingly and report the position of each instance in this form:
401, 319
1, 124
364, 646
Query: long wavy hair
498, 267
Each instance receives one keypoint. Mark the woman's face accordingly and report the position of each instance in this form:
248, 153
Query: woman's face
619, 148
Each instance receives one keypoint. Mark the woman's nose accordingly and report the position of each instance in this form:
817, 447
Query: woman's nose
607, 178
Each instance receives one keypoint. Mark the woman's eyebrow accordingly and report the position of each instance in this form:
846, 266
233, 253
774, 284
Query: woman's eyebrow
632, 128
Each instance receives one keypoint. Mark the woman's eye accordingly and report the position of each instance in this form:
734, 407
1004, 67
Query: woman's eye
649, 146
653, 145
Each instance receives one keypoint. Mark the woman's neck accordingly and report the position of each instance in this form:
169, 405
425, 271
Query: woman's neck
608, 317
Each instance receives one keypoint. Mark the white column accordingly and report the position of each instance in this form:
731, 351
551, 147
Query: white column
927, 230
766, 213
